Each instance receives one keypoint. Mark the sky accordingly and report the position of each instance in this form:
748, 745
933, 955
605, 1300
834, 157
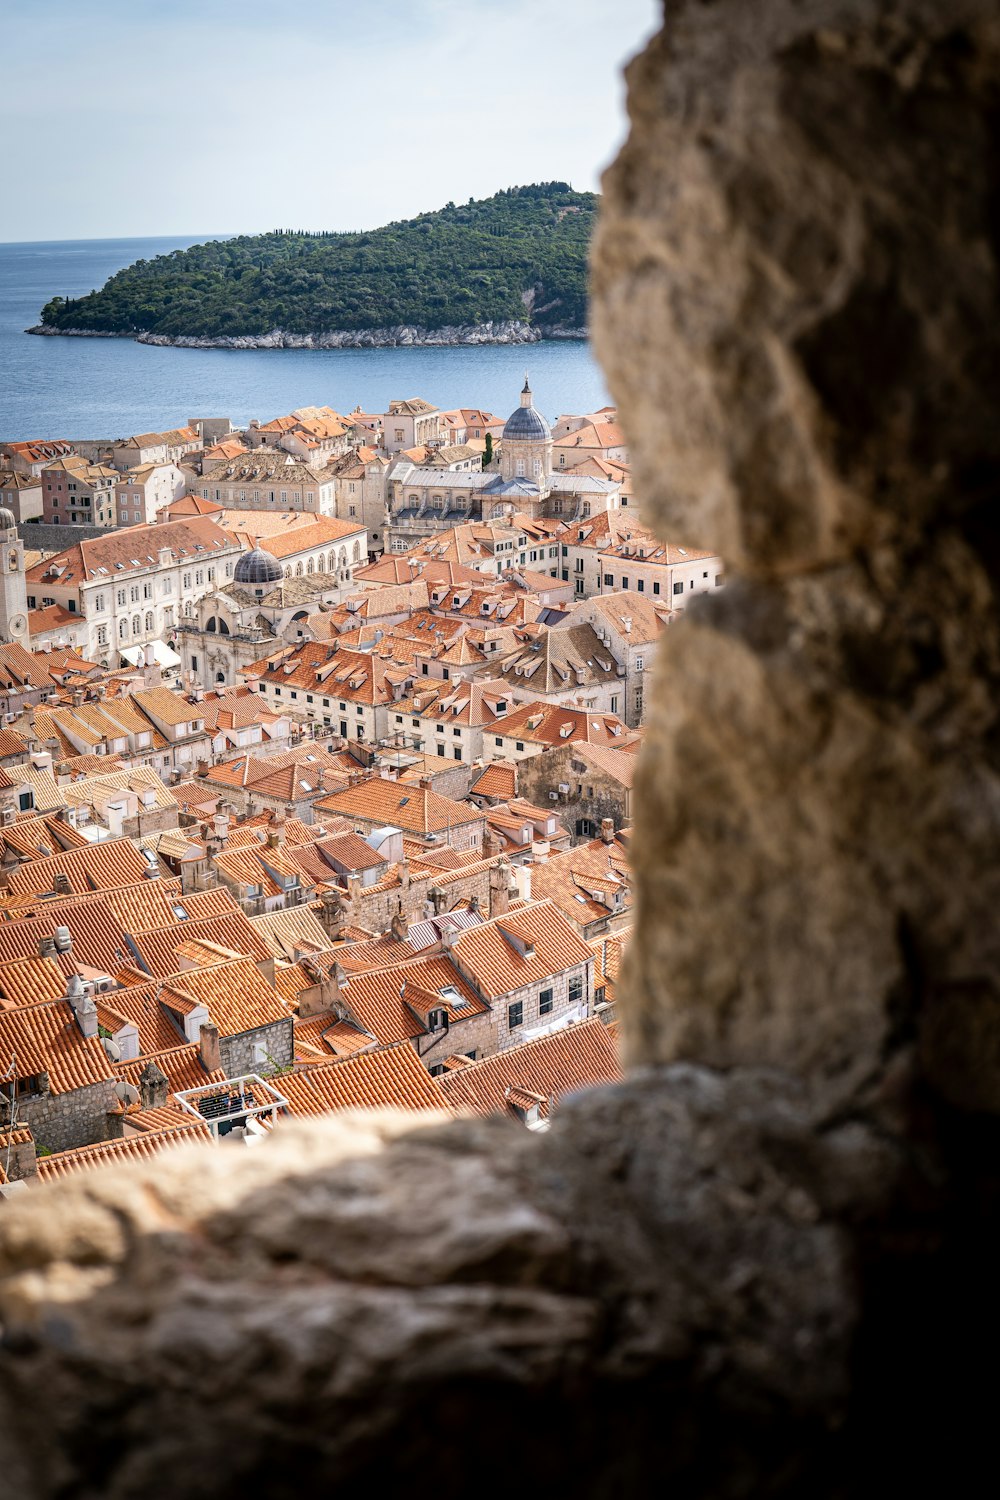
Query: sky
164, 117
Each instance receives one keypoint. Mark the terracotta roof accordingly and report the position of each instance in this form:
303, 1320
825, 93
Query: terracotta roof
509, 953
92, 868
297, 927
556, 724
29, 981
46, 1039
431, 982
131, 548
499, 780
144, 1147
157, 948
538, 1072
414, 809
181, 1065
390, 1079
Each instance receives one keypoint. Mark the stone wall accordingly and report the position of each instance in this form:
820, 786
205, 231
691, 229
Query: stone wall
78, 1117
592, 793
238, 1051
765, 1265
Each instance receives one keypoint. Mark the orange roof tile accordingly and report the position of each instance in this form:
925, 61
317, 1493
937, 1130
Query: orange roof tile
46, 1039
539, 1071
390, 1079
509, 953
144, 1147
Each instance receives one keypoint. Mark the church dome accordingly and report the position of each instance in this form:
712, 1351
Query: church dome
8, 520
527, 423
257, 567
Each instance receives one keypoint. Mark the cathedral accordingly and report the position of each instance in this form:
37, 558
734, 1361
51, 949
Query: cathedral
424, 500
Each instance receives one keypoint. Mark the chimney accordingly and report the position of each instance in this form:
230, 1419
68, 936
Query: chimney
82, 1005
332, 914
61, 885
607, 830
19, 1155
208, 1048
46, 947
499, 889
153, 1087
353, 888
324, 992
399, 926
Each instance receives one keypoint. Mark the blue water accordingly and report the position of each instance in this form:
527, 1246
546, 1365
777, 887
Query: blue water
98, 388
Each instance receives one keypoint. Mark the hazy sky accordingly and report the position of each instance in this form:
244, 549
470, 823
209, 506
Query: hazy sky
158, 117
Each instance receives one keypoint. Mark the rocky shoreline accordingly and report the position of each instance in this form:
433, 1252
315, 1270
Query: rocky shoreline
509, 332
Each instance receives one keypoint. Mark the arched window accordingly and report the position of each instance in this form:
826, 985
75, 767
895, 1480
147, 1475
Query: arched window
342, 559
223, 628
298, 568
321, 564
220, 676
210, 627
136, 625
288, 570
331, 562
310, 566
357, 551
123, 630
150, 626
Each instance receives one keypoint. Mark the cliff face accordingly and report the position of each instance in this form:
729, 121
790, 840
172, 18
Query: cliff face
756, 1268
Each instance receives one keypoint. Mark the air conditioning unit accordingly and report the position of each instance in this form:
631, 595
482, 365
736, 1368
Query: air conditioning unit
553, 796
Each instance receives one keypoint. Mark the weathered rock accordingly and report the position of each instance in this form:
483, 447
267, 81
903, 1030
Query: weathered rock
796, 301
316, 1307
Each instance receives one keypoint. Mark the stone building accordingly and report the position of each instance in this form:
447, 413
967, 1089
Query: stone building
268, 479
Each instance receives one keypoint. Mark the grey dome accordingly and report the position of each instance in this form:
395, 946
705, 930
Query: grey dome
8, 520
257, 566
527, 422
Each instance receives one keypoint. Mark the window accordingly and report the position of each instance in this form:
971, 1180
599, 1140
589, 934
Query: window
99, 604
609, 581
440, 750
497, 740
436, 1070
639, 662
579, 565
576, 989
186, 581
544, 1002
519, 744
515, 1015
656, 587
102, 635
641, 585
457, 752
599, 994
678, 588
638, 700
718, 580
121, 596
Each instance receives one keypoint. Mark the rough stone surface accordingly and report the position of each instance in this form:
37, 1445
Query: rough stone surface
764, 1266
796, 298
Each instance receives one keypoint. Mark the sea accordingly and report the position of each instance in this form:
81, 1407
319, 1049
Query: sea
102, 388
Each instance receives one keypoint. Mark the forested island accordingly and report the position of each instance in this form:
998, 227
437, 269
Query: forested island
510, 268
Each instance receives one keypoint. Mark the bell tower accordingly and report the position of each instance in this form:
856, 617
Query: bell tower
13, 585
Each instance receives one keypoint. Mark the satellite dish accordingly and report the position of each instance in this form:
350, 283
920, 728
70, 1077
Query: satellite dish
112, 1048
127, 1093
